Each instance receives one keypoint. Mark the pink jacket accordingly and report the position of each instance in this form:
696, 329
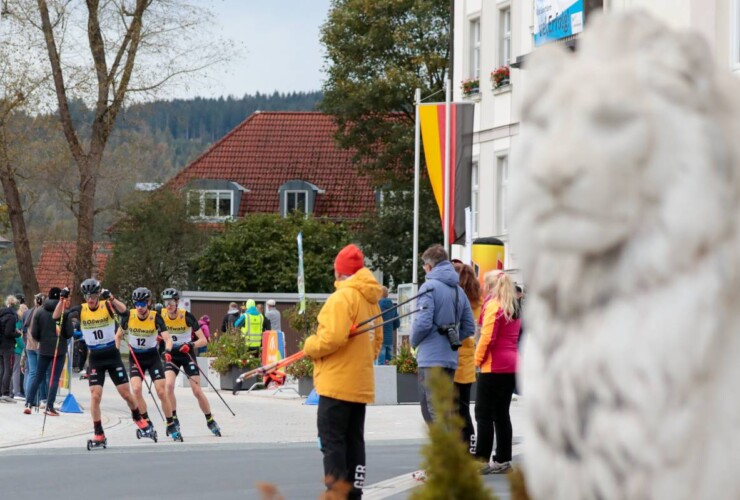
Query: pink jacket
497, 349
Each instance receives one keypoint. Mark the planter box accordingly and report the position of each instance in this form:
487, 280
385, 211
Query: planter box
206, 367
228, 380
385, 385
407, 388
305, 386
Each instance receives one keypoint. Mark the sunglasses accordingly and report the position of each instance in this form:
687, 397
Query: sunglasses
141, 304
91, 296
170, 302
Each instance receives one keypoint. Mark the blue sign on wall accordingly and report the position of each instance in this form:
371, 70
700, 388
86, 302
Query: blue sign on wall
557, 19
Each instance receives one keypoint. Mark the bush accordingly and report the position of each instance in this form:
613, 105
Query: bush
404, 360
230, 350
303, 367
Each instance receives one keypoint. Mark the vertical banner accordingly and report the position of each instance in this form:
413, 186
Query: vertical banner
301, 280
432, 120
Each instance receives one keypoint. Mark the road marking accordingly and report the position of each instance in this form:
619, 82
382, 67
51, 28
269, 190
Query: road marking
404, 482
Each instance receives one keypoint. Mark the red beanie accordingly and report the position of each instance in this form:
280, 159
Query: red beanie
349, 260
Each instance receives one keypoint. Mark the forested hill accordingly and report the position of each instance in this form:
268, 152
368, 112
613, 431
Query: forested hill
209, 119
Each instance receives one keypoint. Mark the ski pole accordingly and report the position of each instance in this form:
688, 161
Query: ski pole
372, 327
368, 320
262, 370
53, 367
143, 377
209, 383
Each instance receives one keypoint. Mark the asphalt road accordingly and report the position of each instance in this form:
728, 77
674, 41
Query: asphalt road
192, 471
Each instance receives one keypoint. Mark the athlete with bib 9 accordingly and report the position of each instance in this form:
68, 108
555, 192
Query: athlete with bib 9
98, 326
143, 326
181, 325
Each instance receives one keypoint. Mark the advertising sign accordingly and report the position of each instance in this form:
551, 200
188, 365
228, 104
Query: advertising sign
556, 19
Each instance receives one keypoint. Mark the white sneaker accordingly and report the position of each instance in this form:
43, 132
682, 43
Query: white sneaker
499, 468
19, 398
8, 399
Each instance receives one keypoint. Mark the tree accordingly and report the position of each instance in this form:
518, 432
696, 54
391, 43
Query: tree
154, 244
134, 47
259, 254
378, 53
385, 234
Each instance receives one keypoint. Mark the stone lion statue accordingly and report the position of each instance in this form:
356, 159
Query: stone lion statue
625, 220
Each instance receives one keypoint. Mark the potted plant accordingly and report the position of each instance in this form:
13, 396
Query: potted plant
470, 86
232, 358
302, 370
407, 382
500, 77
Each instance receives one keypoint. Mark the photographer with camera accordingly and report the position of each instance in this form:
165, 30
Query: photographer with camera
444, 321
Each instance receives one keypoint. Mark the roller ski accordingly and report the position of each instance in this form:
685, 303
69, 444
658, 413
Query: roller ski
98, 441
214, 428
145, 430
176, 423
173, 431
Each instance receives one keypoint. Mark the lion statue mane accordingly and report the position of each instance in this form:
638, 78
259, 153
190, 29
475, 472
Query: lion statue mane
625, 222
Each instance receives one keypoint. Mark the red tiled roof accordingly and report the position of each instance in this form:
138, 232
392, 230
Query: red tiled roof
57, 258
270, 148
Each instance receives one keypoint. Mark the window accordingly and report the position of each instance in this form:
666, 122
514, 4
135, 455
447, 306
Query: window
474, 204
296, 200
210, 204
504, 37
501, 194
475, 48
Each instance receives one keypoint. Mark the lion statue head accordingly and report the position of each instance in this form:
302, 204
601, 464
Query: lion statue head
624, 218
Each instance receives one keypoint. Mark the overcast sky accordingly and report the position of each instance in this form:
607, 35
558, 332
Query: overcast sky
280, 40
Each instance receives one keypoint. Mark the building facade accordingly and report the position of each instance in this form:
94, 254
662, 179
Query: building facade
491, 36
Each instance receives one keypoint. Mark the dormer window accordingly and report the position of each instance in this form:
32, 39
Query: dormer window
297, 195
296, 200
210, 204
214, 199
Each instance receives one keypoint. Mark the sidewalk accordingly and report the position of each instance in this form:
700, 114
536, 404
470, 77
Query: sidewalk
261, 417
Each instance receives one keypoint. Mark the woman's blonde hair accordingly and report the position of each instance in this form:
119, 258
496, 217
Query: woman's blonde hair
501, 288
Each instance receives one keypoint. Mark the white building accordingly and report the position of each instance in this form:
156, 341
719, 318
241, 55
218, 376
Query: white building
489, 34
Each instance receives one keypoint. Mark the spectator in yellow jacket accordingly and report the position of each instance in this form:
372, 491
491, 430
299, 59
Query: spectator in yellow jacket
343, 368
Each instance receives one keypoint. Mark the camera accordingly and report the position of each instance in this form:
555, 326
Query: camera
105, 294
64, 293
453, 336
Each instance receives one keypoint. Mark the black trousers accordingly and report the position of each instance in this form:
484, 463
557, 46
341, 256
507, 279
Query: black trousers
492, 404
6, 371
462, 393
342, 440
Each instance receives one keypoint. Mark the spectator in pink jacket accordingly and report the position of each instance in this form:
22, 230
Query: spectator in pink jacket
205, 327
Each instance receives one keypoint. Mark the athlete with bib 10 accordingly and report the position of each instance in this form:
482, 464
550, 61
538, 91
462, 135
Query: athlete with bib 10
143, 327
98, 326
181, 325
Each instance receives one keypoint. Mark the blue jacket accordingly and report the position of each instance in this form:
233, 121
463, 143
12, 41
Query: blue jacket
433, 348
386, 304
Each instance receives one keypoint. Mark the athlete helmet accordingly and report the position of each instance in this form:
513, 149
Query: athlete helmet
90, 286
141, 294
170, 293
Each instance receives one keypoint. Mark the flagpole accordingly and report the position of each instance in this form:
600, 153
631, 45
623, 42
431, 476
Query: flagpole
417, 161
447, 167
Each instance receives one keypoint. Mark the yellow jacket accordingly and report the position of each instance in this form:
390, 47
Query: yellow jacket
465, 373
343, 366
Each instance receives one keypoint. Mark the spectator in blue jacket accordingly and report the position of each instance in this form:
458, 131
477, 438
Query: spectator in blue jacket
389, 329
444, 304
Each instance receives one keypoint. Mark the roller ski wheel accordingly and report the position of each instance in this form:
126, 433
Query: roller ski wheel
97, 442
214, 428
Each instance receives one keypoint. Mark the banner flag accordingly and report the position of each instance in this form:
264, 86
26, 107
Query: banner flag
301, 280
432, 120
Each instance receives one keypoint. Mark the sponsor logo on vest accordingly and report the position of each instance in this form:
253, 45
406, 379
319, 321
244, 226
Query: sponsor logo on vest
95, 322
